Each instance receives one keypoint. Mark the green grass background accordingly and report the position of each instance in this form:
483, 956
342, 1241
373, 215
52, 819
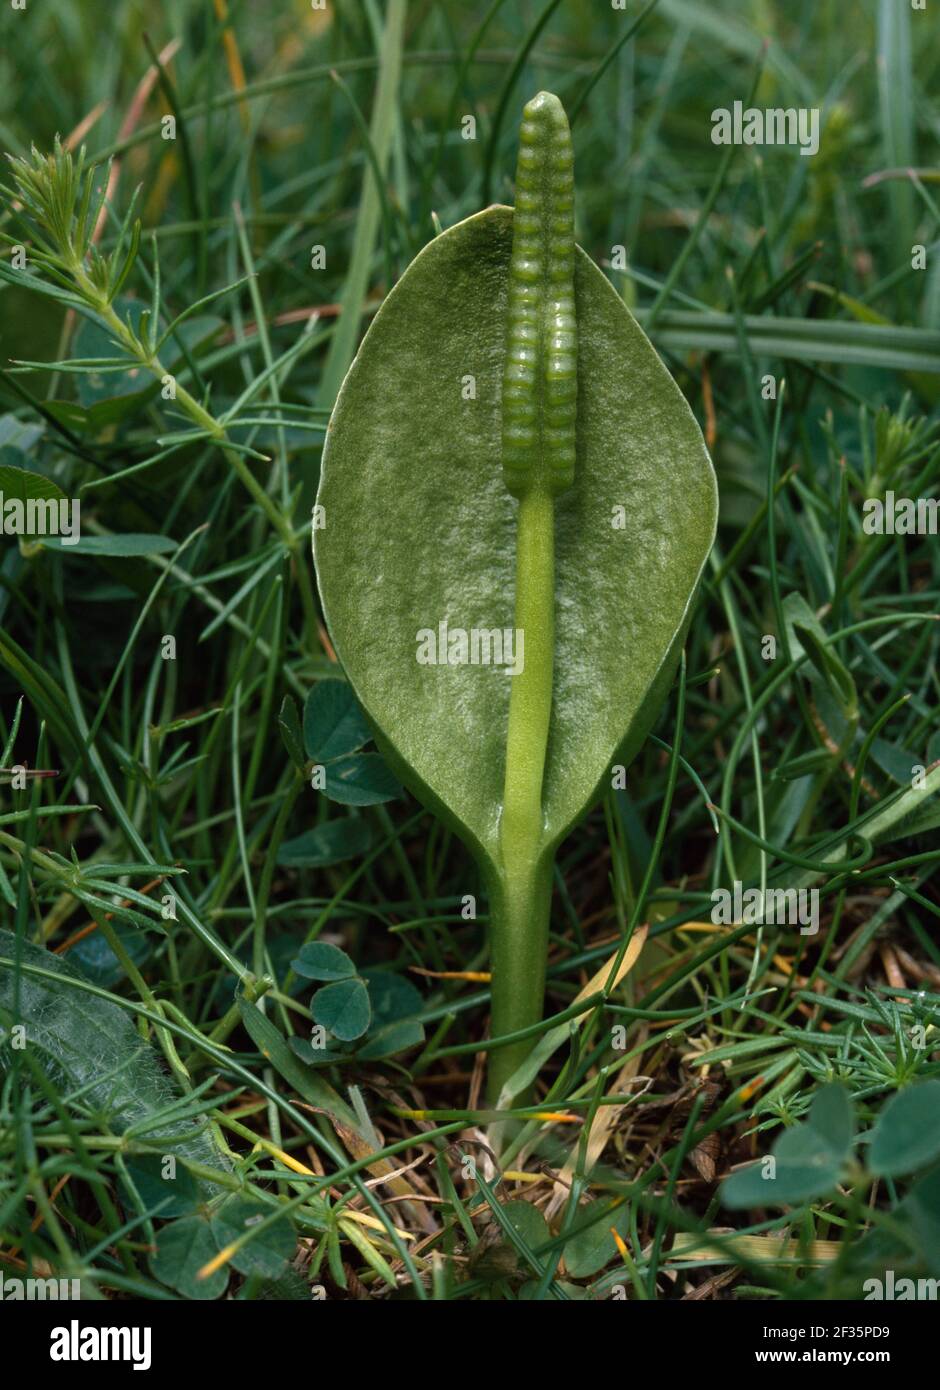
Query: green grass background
742, 263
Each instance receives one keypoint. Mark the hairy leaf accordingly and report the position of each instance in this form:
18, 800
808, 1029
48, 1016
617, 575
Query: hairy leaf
88, 1045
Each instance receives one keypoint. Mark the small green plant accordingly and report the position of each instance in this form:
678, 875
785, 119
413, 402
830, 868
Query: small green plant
525, 472
374, 1011
327, 747
61, 202
812, 1159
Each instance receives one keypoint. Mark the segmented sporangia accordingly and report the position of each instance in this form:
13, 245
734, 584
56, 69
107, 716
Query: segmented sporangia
540, 381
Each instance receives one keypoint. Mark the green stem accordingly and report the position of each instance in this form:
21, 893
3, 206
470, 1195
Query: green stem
539, 405
520, 906
520, 901
530, 701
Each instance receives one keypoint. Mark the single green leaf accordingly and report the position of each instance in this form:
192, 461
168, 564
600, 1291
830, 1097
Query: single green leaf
803, 1167
330, 843
928, 818
175, 1195
806, 633
896, 761
592, 1249
923, 1203
318, 960
404, 445
362, 779
907, 1132
268, 1252
21, 484
130, 545
183, 1247
926, 384
288, 721
393, 996
343, 1008
813, 341
915, 813
87, 1043
333, 721
393, 1038
830, 1115
527, 1222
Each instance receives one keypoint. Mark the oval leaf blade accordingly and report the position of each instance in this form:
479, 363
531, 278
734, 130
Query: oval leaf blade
333, 722
412, 480
318, 960
907, 1132
343, 1008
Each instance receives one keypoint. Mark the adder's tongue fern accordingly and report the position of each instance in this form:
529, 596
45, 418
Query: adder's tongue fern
566, 396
